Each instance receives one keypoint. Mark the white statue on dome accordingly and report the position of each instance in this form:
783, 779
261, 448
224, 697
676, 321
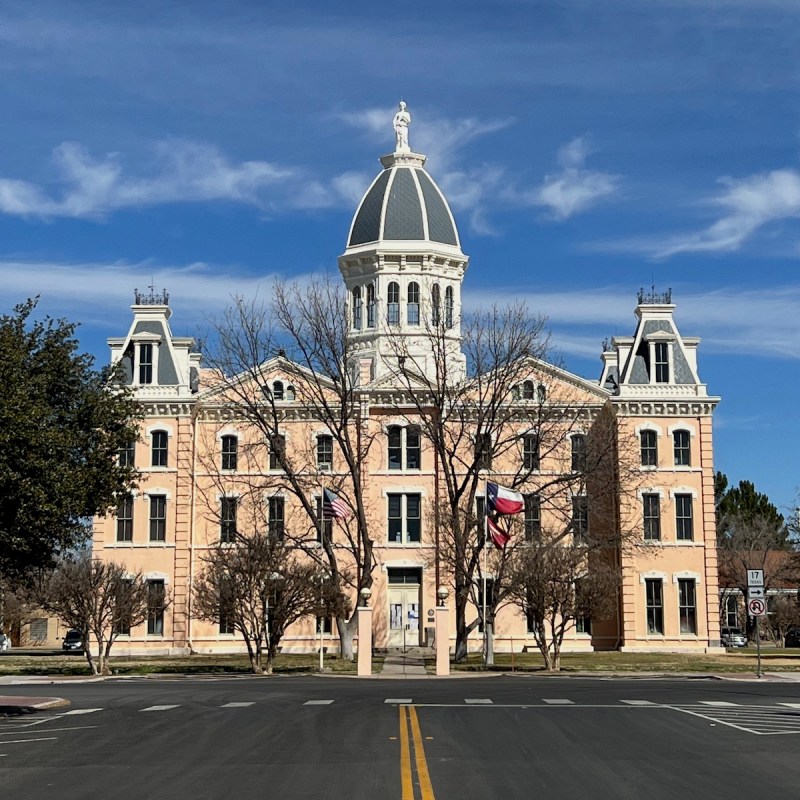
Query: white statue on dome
402, 119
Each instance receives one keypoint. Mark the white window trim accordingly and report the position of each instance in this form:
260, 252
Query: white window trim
159, 427
228, 495
675, 490
640, 493
686, 575
652, 575
156, 576
228, 432
156, 490
649, 426
682, 427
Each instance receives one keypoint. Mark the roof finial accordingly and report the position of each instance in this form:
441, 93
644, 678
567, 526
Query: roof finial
402, 119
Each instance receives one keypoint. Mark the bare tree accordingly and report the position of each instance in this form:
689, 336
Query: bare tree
784, 614
557, 584
101, 599
501, 418
304, 333
257, 586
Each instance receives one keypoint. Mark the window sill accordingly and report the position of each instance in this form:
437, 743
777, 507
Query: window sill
130, 545
403, 544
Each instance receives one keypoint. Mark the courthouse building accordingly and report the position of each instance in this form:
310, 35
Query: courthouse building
403, 269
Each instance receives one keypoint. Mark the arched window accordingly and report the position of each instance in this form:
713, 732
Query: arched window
448, 307
541, 393
230, 452
290, 392
578, 452
683, 452
357, 308
277, 390
412, 305
527, 390
159, 449
649, 448
371, 305
436, 305
393, 304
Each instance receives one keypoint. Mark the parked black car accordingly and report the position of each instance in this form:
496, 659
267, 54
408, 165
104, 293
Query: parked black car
792, 638
72, 641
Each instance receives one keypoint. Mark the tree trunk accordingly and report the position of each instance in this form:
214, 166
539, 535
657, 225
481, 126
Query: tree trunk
489, 644
347, 629
462, 630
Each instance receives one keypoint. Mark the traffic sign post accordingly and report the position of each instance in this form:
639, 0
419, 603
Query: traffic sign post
756, 607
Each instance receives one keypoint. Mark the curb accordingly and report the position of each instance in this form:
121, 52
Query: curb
29, 705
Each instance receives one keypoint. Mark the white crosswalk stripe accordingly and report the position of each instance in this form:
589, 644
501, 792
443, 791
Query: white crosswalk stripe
638, 702
77, 711
317, 702
717, 703
403, 701
159, 708
237, 705
790, 705
479, 701
557, 701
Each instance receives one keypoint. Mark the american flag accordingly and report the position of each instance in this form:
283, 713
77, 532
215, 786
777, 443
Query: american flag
334, 506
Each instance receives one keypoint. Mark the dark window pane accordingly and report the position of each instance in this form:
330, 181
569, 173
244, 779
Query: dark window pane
651, 512
413, 449
160, 449
683, 455
530, 451
158, 518
145, 363
395, 447
578, 443
662, 362
276, 519
228, 519
127, 455
155, 608
684, 523
655, 605
276, 450
125, 519
533, 516
649, 449
230, 452
325, 451
395, 518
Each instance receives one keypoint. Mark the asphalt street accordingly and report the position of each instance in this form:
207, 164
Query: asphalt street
320, 737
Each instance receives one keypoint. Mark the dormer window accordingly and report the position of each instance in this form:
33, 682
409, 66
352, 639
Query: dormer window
277, 390
357, 308
661, 362
145, 364
527, 390
290, 392
393, 304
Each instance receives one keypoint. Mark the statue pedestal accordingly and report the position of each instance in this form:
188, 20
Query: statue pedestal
442, 641
364, 641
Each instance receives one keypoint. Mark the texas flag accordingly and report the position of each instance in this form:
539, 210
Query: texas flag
502, 500
498, 536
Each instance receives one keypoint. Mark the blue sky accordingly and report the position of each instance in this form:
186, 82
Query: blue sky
587, 149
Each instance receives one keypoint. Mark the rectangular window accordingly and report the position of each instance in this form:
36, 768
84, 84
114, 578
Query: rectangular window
583, 624
38, 629
230, 452
413, 448
225, 623
126, 455
732, 611
155, 608
661, 351
122, 618
227, 529
684, 524
687, 605
530, 451
578, 446
275, 518
325, 451
655, 605
125, 519
277, 450
158, 518
533, 517
404, 518
323, 526
327, 626
395, 447
160, 448
483, 450
145, 363
683, 453
649, 448
651, 512
580, 519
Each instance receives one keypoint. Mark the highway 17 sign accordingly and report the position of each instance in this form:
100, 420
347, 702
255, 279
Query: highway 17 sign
756, 607
755, 577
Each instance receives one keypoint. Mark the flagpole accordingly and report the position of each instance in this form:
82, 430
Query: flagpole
485, 539
321, 541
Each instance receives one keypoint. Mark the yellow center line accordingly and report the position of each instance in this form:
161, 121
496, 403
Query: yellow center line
426, 790
405, 758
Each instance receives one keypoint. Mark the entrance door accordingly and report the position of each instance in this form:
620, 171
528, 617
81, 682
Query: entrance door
404, 607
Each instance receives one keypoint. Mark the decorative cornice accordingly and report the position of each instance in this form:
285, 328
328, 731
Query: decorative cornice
665, 408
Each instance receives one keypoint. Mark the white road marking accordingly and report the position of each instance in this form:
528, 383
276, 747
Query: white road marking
478, 701
717, 703
41, 739
790, 705
158, 708
78, 711
557, 701
317, 702
54, 730
404, 701
638, 702
237, 705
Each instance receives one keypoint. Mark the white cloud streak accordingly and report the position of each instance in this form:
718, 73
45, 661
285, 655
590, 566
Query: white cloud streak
180, 171
574, 189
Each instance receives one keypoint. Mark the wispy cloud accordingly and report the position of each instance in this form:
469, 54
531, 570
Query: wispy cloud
575, 188
180, 171
745, 206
